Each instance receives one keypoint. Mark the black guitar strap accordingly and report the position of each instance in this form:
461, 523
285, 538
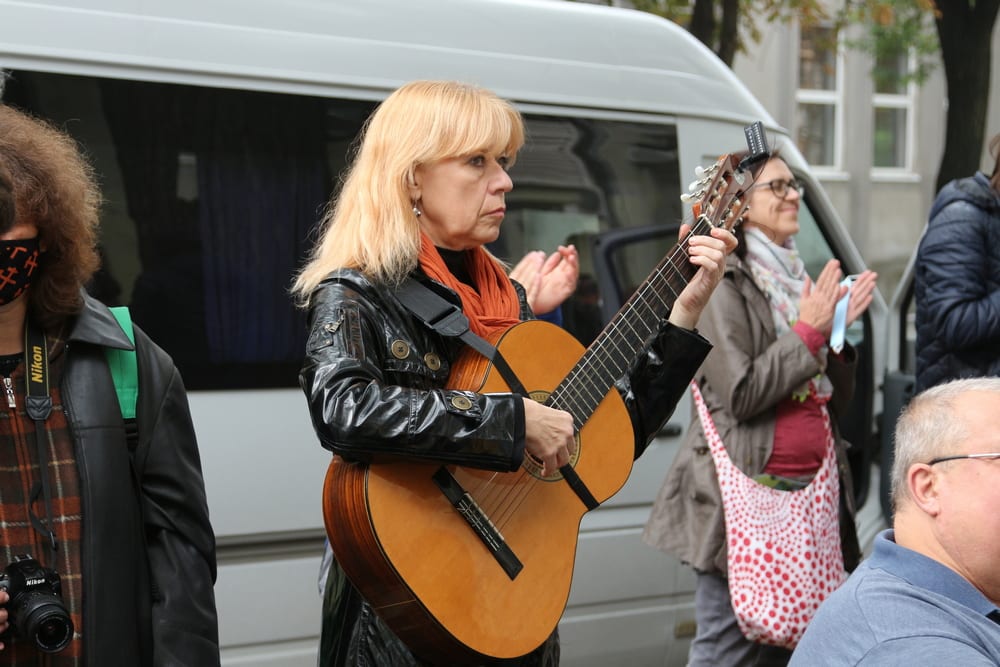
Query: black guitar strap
447, 319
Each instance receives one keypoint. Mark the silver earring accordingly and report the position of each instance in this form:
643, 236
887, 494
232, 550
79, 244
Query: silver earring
416, 211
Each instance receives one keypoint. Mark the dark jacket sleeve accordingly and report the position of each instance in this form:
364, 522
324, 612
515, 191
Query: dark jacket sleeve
366, 405
954, 264
180, 540
658, 378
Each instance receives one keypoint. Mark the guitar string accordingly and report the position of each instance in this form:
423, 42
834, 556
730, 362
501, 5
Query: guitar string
509, 503
500, 504
574, 387
659, 278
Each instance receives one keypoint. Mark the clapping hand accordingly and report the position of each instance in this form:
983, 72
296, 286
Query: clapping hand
819, 299
548, 281
862, 292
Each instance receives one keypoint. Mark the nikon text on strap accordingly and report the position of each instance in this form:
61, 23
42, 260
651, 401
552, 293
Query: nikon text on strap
38, 406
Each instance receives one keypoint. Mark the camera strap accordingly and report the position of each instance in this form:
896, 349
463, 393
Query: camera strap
38, 406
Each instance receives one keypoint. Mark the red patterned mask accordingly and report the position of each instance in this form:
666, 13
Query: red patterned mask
18, 262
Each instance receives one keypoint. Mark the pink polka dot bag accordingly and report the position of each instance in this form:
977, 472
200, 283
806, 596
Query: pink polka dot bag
784, 554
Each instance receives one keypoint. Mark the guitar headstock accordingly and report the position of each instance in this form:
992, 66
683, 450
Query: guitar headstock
719, 196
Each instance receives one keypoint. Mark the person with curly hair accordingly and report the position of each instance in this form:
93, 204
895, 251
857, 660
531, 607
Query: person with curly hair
121, 532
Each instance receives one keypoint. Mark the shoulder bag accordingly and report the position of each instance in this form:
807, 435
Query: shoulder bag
784, 555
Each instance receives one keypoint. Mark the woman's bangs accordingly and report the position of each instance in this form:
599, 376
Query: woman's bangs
491, 127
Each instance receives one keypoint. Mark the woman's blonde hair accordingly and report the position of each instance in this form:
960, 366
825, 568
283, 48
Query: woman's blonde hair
371, 226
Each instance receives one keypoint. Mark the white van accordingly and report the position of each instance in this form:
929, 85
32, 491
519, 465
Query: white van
218, 129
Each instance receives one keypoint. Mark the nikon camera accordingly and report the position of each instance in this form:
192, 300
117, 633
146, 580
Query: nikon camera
35, 610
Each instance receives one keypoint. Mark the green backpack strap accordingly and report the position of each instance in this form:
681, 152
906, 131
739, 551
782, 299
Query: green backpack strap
125, 373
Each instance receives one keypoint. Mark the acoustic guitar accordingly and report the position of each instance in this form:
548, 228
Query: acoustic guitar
468, 565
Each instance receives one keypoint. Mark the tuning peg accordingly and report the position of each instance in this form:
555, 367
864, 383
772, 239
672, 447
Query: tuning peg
699, 170
686, 198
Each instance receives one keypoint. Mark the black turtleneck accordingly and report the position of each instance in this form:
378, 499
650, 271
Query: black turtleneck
456, 262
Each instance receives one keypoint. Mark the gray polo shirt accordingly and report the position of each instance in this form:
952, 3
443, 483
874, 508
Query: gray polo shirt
902, 608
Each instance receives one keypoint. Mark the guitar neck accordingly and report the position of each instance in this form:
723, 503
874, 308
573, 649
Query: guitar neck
628, 332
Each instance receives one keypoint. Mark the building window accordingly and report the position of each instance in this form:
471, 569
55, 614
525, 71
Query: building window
893, 106
819, 97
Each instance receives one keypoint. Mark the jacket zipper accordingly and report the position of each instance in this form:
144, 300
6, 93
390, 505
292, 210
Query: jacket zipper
8, 386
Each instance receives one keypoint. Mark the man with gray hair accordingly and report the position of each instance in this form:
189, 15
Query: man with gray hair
929, 594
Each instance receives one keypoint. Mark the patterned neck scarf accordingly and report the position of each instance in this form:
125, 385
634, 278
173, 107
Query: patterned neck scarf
780, 274
492, 305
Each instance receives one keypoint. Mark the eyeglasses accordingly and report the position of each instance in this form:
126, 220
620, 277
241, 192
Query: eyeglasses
993, 456
780, 186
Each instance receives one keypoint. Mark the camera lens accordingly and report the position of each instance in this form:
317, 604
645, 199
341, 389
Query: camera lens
44, 620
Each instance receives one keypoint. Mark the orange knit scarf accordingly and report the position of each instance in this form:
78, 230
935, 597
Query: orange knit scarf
494, 306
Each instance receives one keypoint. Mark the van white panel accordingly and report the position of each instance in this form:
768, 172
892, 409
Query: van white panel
269, 612
263, 465
274, 654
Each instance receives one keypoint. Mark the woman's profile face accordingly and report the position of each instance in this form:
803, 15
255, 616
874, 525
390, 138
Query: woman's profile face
776, 216
461, 199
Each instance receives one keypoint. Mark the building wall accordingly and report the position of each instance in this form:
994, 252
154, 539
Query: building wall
885, 213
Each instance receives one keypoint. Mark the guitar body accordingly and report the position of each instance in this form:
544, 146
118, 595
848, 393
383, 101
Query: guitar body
418, 560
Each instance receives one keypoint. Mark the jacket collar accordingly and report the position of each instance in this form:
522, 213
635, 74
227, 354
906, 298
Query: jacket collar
95, 324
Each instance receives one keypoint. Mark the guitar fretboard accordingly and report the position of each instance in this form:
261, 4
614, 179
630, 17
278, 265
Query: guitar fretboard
628, 332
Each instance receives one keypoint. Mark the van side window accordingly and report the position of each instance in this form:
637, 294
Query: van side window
577, 179
212, 195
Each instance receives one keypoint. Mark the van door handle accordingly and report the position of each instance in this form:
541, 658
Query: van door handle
670, 430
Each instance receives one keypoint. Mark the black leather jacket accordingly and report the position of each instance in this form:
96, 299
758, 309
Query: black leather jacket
374, 378
134, 615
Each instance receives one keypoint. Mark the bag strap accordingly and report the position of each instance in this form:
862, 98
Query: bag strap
124, 368
447, 319
125, 373
723, 462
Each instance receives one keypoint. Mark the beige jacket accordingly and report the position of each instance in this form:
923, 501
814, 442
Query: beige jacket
747, 373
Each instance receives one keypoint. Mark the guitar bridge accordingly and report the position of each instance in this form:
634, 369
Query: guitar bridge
478, 521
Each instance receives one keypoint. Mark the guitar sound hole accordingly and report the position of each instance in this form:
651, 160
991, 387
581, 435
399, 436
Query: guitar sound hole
533, 464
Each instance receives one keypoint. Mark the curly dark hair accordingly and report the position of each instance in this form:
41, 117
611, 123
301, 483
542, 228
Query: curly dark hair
55, 189
6, 201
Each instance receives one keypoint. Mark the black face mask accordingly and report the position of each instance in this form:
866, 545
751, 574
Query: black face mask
18, 262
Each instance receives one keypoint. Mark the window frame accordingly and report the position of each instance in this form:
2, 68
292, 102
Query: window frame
907, 102
833, 98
